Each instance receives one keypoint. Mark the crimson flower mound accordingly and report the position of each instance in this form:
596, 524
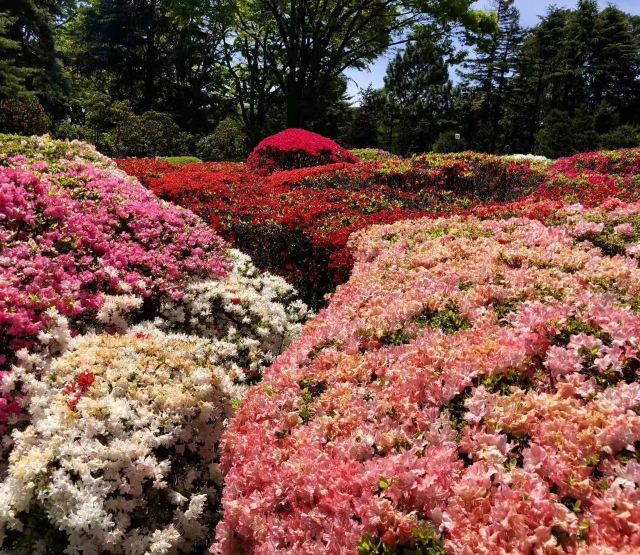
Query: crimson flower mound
473, 388
297, 148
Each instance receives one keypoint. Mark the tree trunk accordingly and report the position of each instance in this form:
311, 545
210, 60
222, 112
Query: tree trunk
294, 104
149, 78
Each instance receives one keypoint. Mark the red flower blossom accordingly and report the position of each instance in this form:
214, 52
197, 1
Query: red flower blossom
77, 388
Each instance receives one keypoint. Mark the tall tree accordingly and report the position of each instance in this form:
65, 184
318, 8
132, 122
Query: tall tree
489, 74
12, 75
366, 120
616, 63
156, 54
418, 94
27, 38
307, 44
536, 63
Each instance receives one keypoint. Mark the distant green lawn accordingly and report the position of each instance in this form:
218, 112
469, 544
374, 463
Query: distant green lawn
181, 159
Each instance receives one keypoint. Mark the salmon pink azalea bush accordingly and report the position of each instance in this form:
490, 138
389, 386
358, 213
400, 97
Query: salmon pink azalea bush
297, 148
473, 388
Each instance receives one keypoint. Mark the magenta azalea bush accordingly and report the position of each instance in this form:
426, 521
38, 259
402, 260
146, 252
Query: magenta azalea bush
73, 233
473, 389
75, 229
297, 148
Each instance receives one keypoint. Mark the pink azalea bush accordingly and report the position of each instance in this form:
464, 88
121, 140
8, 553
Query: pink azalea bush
473, 388
297, 148
72, 232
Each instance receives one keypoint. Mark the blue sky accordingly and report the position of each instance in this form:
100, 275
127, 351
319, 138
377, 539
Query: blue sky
530, 10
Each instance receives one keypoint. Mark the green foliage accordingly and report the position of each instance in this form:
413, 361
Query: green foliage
373, 154
448, 320
157, 56
502, 383
397, 336
365, 122
100, 67
424, 541
305, 60
418, 94
625, 136
28, 63
487, 77
228, 142
575, 326
23, 117
12, 76
554, 140
448, 141
151, 134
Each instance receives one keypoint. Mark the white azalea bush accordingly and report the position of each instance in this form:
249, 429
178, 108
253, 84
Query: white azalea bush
256, 312
121, 453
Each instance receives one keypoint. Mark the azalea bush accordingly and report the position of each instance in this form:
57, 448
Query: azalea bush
257, 314
129, 331
296, 223
296, 148
593, 177
73, 232
43, 149
371, 154
120, 456
473, 388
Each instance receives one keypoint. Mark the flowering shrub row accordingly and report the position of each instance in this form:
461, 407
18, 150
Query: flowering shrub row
593, 177
43, 149
296, 223
473, 388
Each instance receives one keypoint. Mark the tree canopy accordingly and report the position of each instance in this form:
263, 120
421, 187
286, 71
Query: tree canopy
459, 77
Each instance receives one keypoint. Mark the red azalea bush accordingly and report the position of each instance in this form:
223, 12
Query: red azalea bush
473, 388
297, 148
479, 176
145, 168
297, 223
593, 177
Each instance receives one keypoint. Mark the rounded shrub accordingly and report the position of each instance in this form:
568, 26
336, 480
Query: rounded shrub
24, 116
149, 134
297, 148
227, 143
373, 154
625, 136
